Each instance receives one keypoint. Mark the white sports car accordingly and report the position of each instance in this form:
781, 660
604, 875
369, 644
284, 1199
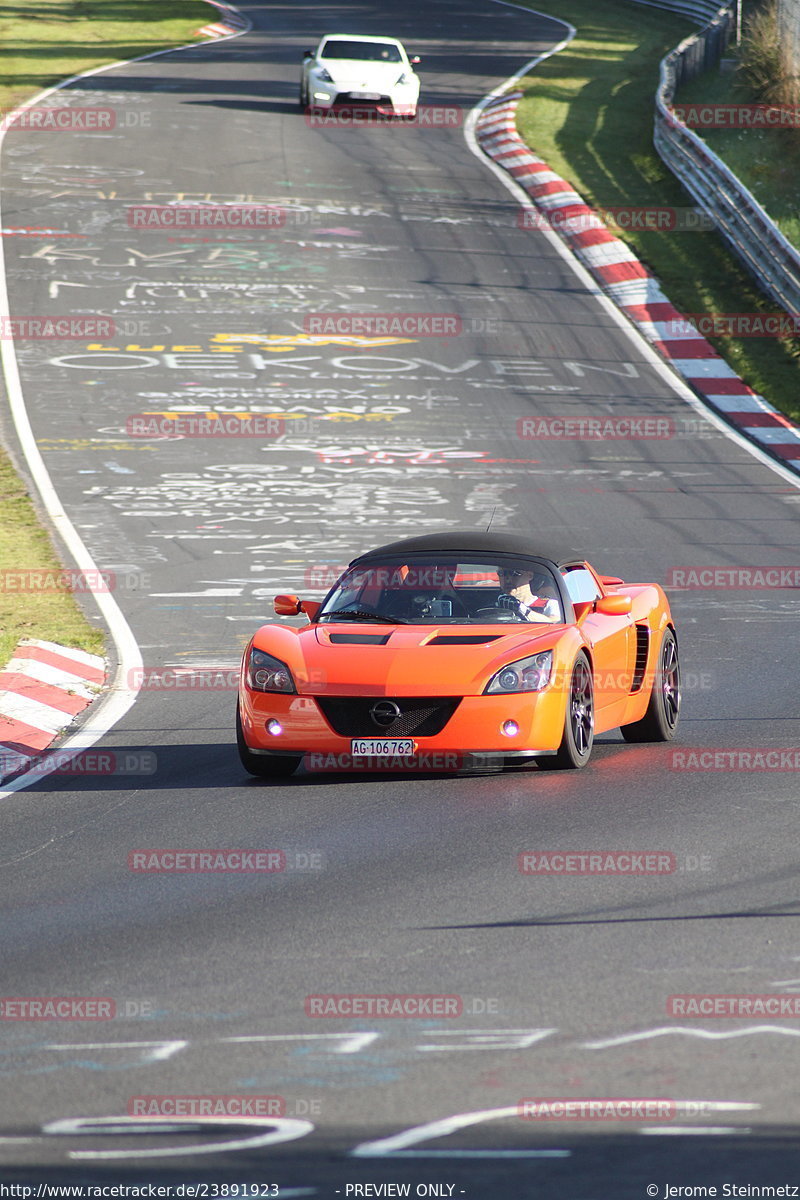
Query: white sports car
346, 70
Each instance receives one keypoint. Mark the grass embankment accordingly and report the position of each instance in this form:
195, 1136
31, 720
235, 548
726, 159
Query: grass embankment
52, 615
766, 160
588, 111
43, 43
49, 40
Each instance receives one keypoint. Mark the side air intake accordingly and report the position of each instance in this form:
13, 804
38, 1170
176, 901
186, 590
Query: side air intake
642, 648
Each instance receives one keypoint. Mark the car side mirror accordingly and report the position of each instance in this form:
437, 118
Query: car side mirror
308, 54
290, 606
311, 608
415, 60
614, 605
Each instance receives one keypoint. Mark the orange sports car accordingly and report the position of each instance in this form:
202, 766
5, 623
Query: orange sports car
466, 647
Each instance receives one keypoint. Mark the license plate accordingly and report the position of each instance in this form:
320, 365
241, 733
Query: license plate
382, 747
366, 95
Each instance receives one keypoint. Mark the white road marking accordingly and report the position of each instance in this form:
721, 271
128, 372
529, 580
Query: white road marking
352, 1042
669, 1030
695, 1130
208, 592
283, 1129
397, 1146
480, 1154
160, 1051
485, 1039
716, 1105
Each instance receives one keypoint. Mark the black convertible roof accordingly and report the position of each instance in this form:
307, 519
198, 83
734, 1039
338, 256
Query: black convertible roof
505, 542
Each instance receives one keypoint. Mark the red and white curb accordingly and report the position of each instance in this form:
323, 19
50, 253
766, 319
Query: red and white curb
634, 289
42, 690
233, 22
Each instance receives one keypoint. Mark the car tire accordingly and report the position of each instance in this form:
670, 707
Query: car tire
264, 766
578, 738
303, 96
661, 718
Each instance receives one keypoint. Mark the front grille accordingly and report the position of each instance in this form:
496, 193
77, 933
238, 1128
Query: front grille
349, 99
425, 716
642, 647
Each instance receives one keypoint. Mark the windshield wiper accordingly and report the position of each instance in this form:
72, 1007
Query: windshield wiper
359, 615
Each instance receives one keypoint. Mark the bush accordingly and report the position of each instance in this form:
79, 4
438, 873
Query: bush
766, 58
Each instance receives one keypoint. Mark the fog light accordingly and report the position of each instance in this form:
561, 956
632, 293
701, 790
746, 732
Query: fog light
322, 95
509, 728
274, 727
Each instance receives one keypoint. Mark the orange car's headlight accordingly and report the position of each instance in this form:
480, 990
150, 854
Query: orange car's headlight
526, 675
268, 674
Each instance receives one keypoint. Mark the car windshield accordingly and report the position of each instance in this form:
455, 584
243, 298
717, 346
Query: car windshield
446, 589
362, 51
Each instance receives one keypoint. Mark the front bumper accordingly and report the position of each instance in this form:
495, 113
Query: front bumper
400, 101
475, 727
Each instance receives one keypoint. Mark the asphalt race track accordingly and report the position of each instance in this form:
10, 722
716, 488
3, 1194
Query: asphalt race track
394, 885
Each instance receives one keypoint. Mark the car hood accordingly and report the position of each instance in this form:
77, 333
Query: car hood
354, 75
350, 658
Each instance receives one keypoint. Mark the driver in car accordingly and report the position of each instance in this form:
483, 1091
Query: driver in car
517, 595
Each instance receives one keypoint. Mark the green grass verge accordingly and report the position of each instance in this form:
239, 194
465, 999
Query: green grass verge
42, 43
588, 111
766, 160
52, 615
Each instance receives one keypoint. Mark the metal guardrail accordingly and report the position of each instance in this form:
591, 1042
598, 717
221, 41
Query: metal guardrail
700, 11
747, 228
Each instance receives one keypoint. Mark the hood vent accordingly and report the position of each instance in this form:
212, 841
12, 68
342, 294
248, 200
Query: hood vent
359, 639
463, 639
